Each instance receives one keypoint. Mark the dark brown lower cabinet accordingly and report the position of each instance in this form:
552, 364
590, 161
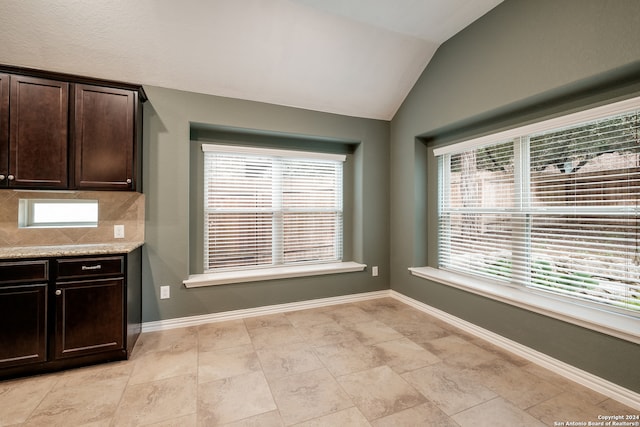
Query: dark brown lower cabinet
23, 316
89, 317
60, 313
23, 312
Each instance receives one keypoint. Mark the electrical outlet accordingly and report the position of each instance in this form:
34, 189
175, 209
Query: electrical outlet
374, 271
118, 231
165, 292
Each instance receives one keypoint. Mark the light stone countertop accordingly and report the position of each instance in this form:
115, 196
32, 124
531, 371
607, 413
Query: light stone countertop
67, 250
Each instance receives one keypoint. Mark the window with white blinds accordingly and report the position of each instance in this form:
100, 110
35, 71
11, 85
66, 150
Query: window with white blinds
267, 208
553, 208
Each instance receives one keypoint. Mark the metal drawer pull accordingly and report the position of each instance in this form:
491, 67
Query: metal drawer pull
91, 267
58, 292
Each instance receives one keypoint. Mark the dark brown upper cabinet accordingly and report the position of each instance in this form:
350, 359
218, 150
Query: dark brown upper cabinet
104, 138
4, 128
38, 133
59, 131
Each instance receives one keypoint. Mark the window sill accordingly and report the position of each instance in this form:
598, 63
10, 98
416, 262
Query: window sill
615, 324
242, 276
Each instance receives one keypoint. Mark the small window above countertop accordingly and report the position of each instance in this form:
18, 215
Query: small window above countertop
57, 213
68, 250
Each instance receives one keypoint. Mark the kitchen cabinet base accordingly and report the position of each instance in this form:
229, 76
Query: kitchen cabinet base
65, 312
59, 365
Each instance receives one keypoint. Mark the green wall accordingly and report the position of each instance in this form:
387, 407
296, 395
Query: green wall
172, 118
522, 61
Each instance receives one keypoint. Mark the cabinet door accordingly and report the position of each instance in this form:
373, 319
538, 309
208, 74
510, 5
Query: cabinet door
38, 135
104, 138
89, 317
23, 324
4, 129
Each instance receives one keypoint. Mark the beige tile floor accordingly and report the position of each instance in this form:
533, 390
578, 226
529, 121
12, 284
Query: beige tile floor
372, 363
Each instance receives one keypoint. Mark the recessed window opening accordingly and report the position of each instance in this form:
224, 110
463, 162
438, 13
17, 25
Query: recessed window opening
553, 208
57, 213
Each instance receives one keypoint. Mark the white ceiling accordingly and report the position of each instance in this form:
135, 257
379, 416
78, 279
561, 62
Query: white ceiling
352, 57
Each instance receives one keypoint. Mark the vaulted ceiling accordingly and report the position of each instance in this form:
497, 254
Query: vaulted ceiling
354, 57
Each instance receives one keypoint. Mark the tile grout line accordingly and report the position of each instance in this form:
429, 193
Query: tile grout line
255, 350
44, 396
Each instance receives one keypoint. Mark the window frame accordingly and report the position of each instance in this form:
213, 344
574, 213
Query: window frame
198, 278
624, 323
277, 158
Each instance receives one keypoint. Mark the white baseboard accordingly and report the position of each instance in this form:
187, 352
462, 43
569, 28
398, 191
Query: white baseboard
595, 383
182, 322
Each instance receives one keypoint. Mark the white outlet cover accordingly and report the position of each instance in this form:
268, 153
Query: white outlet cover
118, 231
165, 292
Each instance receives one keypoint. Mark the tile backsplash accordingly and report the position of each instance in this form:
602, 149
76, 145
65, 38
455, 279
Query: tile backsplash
114, 207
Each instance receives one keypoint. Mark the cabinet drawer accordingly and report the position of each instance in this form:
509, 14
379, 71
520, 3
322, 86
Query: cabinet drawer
24, 271
90, 267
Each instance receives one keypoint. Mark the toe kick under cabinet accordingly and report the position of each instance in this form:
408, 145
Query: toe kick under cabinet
57, 313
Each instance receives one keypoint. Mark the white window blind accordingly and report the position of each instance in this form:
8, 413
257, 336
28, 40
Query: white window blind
554, 210
266, 208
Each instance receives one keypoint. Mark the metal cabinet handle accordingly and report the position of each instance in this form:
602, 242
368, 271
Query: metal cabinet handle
11, 177
2, 177
128, 180
58, 292
91, 267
